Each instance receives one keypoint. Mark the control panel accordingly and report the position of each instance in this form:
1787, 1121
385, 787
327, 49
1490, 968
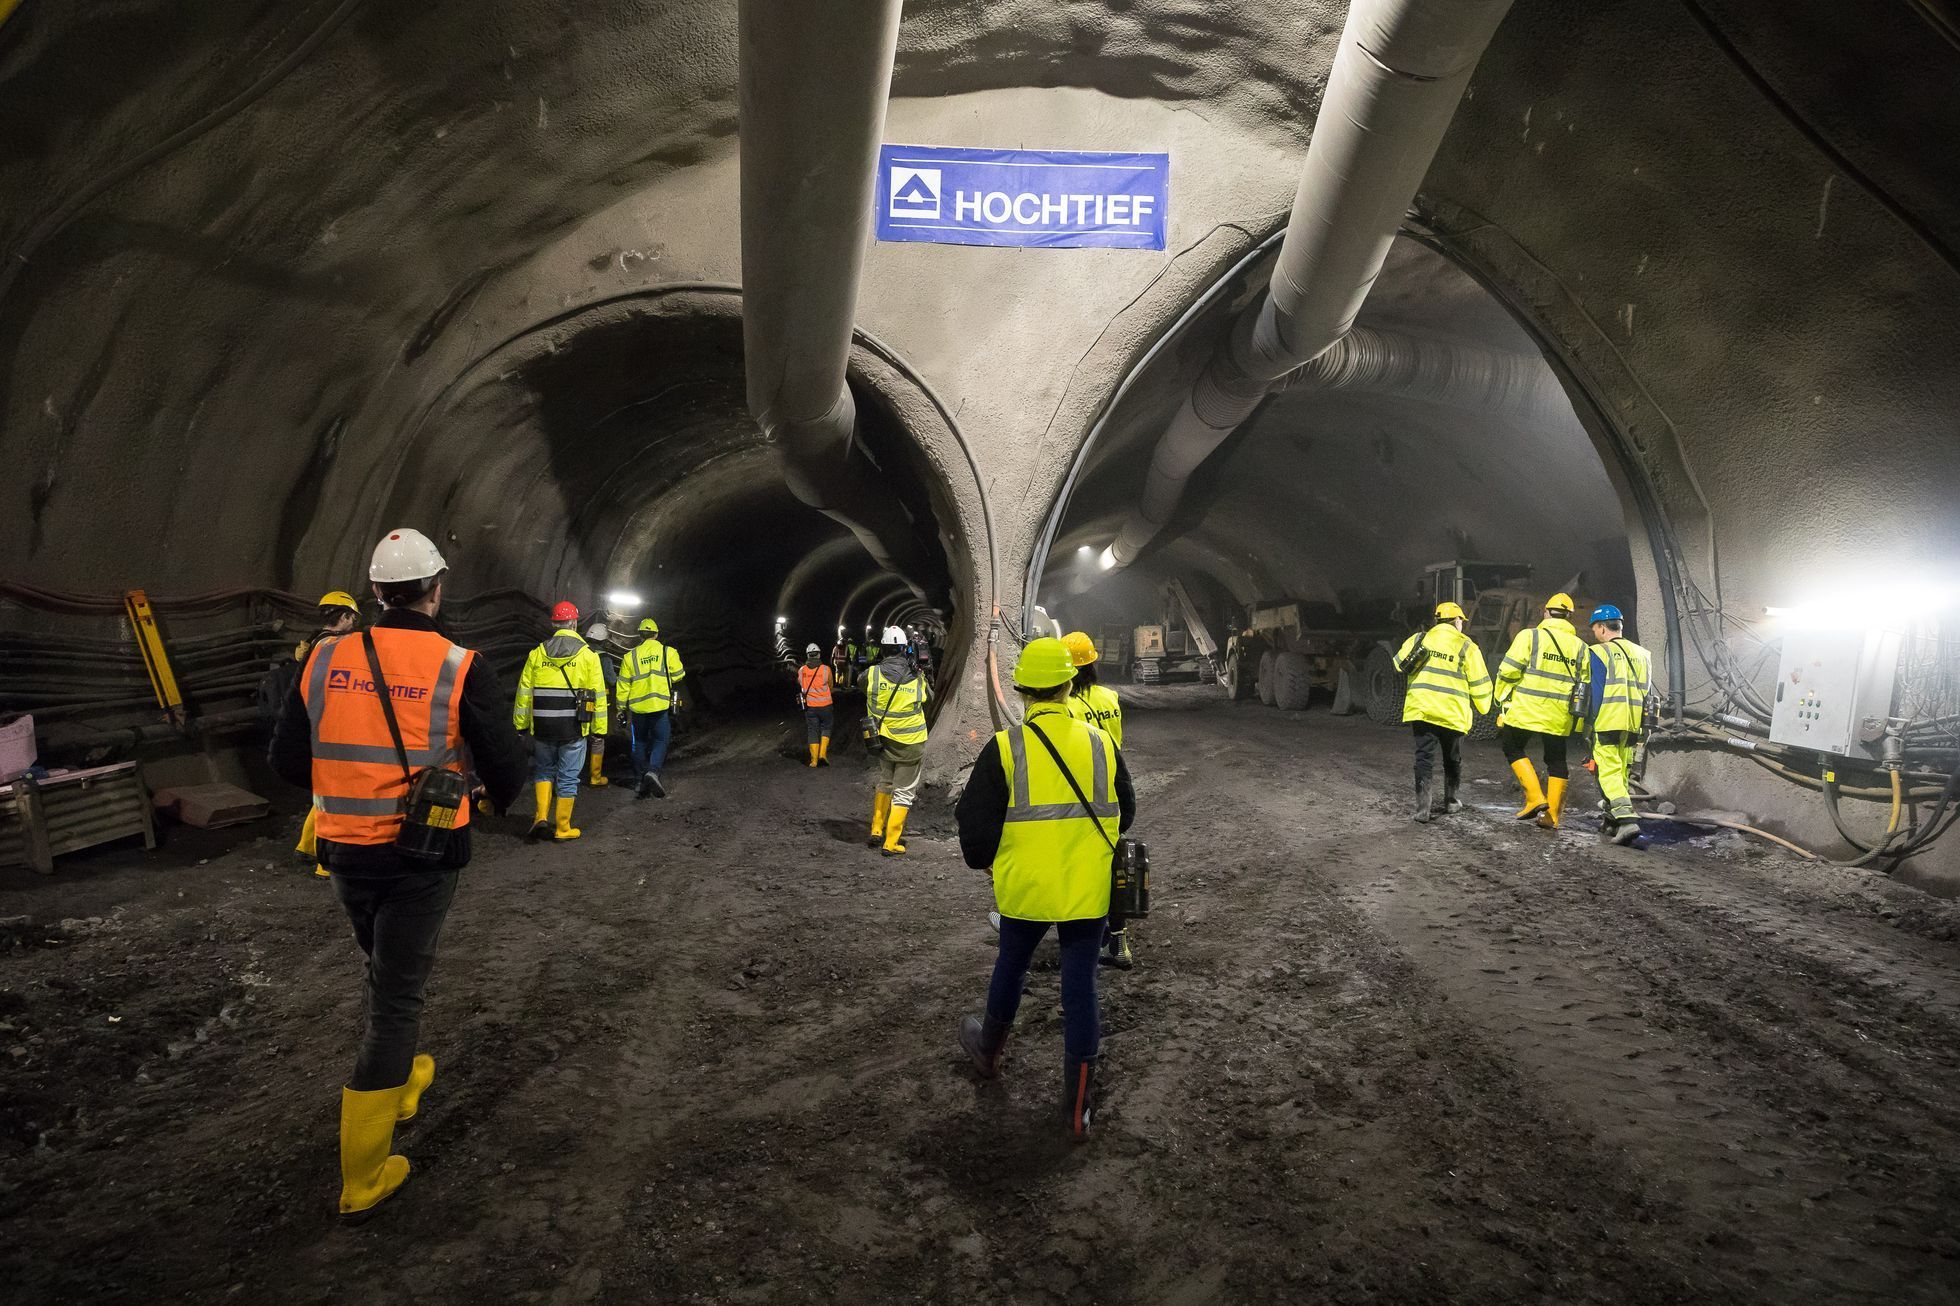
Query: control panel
1834, 690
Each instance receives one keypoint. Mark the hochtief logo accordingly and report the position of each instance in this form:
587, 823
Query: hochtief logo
340, 679
914, 192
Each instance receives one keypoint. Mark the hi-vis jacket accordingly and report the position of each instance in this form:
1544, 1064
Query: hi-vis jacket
647, 677
1536, 678
359, 788
1453, 685
813, 685
547, 701
1054, 861
1621, 706
898, 706
1098, 706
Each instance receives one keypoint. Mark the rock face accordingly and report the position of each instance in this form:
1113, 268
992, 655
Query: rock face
276, 277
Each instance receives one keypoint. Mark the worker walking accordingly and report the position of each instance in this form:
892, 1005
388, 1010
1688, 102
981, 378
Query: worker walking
1042, 811
895, 698
1622, 674
1449, 685
838, 663
813, 691
1541, 688
649, 693
561, 702
1096, 704
339, 614
367, 710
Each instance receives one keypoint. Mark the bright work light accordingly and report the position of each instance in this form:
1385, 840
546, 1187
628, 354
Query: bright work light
622, 599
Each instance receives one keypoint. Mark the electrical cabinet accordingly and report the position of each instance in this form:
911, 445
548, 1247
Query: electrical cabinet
1834, 690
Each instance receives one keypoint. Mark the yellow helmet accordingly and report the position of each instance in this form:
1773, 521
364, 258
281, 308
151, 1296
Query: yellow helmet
1447, 611
1081, 650
1044, 664
1559, 603
340, 599
649, 625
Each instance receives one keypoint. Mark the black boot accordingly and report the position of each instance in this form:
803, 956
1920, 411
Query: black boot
1078, 1096
984, 1039
1625, 832
1425, 799
1116, 950
643, 786
1451, 803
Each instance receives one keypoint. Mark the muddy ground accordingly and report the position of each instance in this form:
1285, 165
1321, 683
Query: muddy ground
705, 1055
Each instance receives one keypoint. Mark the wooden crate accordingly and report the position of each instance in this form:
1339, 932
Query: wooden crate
64, 813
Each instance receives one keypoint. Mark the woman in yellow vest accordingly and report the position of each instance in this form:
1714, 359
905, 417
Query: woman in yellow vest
1448, 686
1536, 684
339, 614
1021, 817
1622, 671
895, 698
1097, 705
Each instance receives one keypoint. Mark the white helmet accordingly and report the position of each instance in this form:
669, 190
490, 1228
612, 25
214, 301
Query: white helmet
405, 555
813, 649
894, 635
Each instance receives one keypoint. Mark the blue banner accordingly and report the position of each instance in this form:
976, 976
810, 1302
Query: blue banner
1047, 199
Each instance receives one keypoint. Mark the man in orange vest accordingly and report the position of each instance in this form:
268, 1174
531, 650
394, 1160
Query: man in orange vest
337, 736
813, 690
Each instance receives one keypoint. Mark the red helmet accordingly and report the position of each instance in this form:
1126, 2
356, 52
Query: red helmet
565, 611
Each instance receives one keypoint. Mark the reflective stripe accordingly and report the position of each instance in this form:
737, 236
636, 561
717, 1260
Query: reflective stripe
1069, 811
359, 806
1099, 759
1542, 693
1017, 744
1512, 662
316, 700
1435, 688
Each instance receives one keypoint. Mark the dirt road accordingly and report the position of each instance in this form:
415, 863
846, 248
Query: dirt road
705, 1055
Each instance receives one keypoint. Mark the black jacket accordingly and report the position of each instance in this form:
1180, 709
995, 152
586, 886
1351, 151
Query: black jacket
498, 754
982, 809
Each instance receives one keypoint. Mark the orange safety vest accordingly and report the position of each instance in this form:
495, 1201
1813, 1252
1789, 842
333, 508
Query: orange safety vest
358, 786
816, 685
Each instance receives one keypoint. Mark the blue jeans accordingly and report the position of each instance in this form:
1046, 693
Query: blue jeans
1081, 941
651, 731
558, 763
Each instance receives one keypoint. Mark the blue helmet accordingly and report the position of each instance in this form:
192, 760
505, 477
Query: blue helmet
1607, 612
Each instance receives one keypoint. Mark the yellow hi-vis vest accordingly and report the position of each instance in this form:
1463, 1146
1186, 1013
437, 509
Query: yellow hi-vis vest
1098, 706
1535, 679
647, 676
1623, 703
546, 704
1053, 863
1453, 685
899, 710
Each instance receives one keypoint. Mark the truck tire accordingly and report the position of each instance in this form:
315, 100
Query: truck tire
1382, 687
1266, 682
1239, 673
1295, 682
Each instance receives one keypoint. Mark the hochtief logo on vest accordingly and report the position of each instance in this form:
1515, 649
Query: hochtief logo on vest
914, 192
340, 679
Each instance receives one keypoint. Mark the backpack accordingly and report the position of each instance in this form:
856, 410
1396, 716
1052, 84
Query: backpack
275, 687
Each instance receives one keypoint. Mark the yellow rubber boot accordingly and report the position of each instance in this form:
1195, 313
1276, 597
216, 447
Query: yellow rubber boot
881, 807
321, 871
421, 1074
542, 821
598, 745
823, 751
895, 831
565, 830
308, 839
367, 1132
1554, 802
813, 757
1534, 797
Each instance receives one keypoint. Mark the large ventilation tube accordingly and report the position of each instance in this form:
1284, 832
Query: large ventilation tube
814, 82
1437, 372
1395, 85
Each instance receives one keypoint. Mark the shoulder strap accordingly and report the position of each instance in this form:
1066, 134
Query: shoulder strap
886, 709
387, 704
1069, 776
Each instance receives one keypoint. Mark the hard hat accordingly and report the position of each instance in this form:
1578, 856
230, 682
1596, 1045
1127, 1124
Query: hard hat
1450, 611
649, 625
339, 599
1081, 650
405, 555
893, 635
1559, 603
1044, 664
564, 610
812, 648
1607, 612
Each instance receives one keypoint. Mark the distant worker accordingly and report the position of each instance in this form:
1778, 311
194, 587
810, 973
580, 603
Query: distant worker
813, 691
850, 677
837, 663
1090, 700
1021, 817
1622, 673
1449, 687
895, 698
649, 688
598, 637
334, 736
339, 614
861, 659
561, 702
1541, 684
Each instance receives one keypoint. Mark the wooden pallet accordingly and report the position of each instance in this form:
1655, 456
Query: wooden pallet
64, 813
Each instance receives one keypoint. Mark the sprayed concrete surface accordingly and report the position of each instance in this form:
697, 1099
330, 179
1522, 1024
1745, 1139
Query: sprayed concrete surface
706, 1056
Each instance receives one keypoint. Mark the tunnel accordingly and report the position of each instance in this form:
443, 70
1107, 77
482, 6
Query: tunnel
1227, 343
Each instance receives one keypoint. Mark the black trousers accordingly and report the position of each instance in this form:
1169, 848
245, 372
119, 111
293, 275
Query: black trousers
1516, 743
396, 920
1430, 740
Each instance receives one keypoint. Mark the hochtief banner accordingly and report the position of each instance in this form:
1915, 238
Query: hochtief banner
1048, 199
